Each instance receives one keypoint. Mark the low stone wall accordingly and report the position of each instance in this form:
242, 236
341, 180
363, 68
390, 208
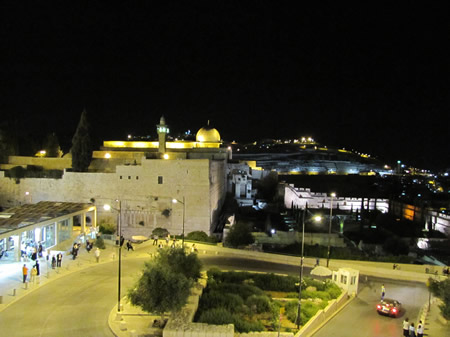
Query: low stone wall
292, 237
266, 334
322, 316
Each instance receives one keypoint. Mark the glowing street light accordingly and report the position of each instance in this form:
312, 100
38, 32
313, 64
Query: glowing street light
333, 195
316, 218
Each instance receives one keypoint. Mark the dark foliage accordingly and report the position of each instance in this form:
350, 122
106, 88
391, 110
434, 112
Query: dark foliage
82, 145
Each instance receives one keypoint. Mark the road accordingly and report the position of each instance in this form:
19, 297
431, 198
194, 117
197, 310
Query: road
79, 304
360, 319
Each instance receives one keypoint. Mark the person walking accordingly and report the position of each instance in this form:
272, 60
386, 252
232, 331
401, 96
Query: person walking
33, 275
420, 329
59, 259
129, 246
383, 291
53, 261
24, 273
74, 251
38, 267
412, 331
406, 327
97, 254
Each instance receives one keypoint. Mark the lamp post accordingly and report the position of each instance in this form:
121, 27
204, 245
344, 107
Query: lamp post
184, 210
316, 218
301, 269
120, 242
329, 228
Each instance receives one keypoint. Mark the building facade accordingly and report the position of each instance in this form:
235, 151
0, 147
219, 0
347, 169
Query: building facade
146, 177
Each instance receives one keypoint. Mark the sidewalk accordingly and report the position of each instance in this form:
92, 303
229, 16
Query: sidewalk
12, 288
435, 325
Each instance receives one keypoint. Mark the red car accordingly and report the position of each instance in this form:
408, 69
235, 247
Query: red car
389, 307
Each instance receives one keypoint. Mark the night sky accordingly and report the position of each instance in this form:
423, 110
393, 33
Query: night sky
372, 78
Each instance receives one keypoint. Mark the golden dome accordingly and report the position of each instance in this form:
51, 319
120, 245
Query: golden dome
208, 134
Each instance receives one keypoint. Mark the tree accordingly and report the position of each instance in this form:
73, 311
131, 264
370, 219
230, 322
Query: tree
99, 242
51, 146
240, 235
8, 145
267, 187
178, 261
441, 289
160, 290
166, 281
81, 145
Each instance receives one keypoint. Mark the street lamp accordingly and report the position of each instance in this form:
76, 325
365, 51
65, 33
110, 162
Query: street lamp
184, 210
119, 232
329, 229
316, 218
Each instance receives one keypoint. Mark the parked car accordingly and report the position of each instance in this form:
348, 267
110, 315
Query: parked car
389, 307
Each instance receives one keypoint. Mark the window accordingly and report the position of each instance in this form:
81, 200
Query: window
160, 180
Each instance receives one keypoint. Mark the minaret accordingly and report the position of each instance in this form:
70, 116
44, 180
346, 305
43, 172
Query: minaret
162, 130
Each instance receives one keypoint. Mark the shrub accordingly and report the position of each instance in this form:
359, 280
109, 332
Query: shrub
216, 316
234, 277
243, 290
242, 325
213, 299
240, 235
106, 228
319, 285
160, 232
291, 309
99, 242
275, 282
200, 236
333, 290
221, 316
258, 303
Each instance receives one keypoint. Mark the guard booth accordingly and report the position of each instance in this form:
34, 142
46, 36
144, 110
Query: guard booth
347, 279
47, 224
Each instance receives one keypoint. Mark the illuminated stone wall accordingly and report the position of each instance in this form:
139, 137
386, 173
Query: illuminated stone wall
301, 196
146, 191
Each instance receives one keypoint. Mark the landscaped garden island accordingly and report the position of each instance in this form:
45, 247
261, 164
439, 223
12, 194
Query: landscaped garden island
256, 301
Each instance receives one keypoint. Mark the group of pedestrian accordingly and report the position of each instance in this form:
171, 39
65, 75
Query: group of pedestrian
35, 271
56, 261
32, 250
410, 331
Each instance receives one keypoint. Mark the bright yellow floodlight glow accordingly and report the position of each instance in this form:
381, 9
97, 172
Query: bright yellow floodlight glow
317, 218
107, 207
166, 156
107, 155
